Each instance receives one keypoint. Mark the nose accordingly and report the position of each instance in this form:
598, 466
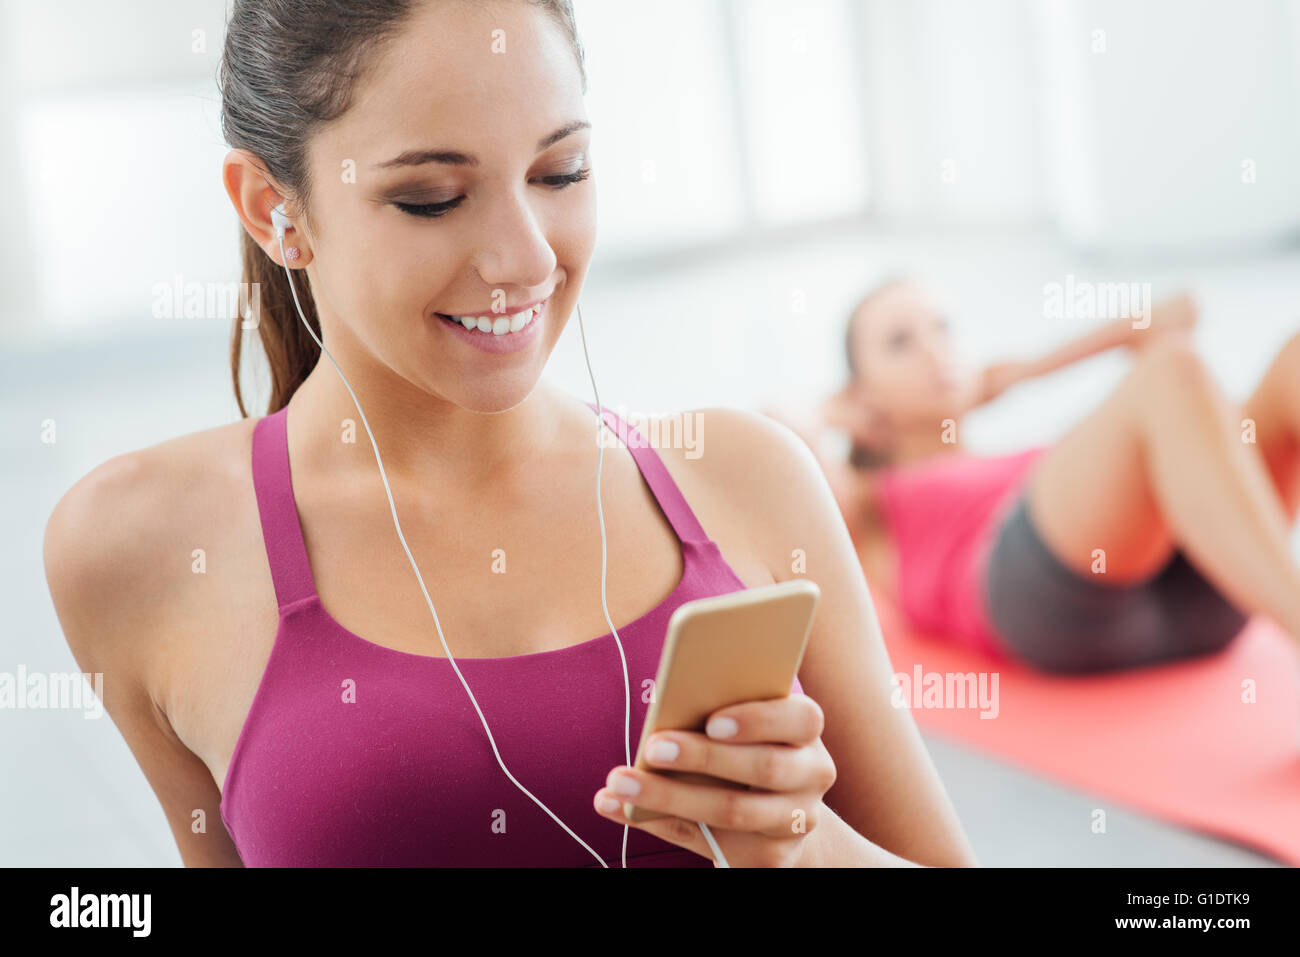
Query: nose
514, 250
938, 352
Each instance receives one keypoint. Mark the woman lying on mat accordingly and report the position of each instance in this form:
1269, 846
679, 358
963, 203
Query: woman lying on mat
1148, 533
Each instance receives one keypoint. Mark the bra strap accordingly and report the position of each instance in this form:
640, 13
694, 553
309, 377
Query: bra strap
281, 527
665, 490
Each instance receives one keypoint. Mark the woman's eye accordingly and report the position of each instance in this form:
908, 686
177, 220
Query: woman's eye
434, 210
430, 210
562, 180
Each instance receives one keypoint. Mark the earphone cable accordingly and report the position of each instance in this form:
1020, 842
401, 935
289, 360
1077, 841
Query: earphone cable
719, 858
600, 455
402, 538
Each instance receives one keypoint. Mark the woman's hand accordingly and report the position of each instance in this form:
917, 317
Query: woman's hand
997, 377
852, 411
774, 747
1170, 318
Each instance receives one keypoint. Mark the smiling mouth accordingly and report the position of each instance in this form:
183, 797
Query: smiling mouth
502, 325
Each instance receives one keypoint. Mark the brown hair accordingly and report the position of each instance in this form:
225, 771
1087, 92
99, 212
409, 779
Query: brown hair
288, 68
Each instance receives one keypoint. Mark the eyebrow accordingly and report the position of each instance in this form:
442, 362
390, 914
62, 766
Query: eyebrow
455, 158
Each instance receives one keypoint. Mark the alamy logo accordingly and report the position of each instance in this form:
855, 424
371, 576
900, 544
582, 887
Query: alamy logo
58, 690
1080, 299
674, 430
197, 299
936, 689
102, 910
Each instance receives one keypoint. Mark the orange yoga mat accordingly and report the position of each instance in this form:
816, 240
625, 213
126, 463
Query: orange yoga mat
1212, 745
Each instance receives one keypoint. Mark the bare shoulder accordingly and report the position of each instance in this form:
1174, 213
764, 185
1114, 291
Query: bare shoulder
750, 478
756, 479
111, 542
117, 553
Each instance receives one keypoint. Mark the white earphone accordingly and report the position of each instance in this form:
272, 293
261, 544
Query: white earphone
281, 222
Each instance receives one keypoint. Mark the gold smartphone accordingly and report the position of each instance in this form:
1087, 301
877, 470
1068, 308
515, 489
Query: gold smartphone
719, 651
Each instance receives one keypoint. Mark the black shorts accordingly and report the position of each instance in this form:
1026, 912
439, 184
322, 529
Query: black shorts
1057, 620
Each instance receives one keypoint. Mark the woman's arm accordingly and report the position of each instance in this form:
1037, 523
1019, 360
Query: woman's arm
886, 791
997, 377
104, 546
1176, 316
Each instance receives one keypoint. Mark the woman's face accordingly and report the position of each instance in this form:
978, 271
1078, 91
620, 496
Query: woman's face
905, 358
469, 147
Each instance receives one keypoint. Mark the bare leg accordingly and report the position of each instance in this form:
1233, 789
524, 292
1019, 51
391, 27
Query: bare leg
1161, 463
1274, 407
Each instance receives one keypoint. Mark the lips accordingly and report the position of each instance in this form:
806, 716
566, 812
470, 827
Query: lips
489, 339
497, 323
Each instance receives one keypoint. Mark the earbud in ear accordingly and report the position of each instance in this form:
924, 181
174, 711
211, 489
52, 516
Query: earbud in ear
280, 221
282, 224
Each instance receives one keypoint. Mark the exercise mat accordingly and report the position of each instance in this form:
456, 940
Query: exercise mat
1211, 744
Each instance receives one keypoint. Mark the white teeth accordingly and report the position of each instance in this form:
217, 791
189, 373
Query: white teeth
500, 325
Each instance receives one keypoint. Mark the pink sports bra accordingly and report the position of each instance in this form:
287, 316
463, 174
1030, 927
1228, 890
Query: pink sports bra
942, 513
399, 772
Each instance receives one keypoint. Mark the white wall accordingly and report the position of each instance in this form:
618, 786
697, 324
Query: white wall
1159, 112
951, 110
15, 258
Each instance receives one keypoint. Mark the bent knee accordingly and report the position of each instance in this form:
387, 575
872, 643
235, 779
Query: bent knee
1289, 354
1173, 360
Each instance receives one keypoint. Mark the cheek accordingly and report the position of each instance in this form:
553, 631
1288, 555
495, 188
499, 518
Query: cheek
573, 236
380, 286
404, 270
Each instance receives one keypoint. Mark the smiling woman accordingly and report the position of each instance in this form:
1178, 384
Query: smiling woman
284, 92
428, 164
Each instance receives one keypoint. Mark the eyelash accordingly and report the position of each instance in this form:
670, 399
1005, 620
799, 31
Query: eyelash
434, 210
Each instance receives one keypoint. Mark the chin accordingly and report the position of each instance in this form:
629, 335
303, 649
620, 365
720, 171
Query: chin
491, 401
939, 411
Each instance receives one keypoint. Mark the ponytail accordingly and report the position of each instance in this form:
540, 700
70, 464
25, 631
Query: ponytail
290, 350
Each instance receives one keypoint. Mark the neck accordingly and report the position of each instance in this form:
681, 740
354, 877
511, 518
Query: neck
424, 440
915, 444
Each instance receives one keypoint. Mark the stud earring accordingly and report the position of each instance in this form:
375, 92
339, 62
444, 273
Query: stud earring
292, 253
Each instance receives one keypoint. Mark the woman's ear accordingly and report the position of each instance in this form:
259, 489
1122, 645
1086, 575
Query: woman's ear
253, 196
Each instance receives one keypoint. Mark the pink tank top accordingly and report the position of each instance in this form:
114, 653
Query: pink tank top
942, 514
405, 775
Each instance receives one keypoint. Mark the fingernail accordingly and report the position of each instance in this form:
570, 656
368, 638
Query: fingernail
664, 751
608, 804
625, 784
722, 728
